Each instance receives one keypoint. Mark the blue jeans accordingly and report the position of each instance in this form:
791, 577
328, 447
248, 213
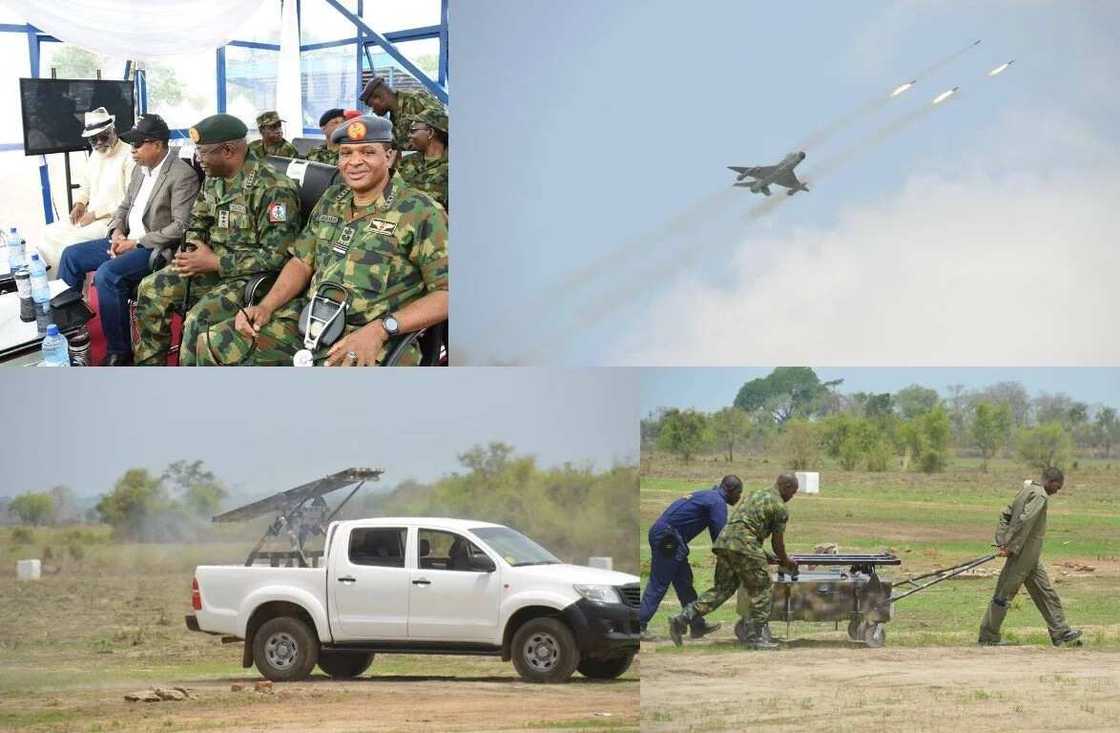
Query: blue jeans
666, 570
115, 279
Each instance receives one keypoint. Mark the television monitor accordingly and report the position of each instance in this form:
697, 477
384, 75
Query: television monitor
54, 111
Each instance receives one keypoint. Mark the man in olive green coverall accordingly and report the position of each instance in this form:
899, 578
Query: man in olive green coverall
1022, 527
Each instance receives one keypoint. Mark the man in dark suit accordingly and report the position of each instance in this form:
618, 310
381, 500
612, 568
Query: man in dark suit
154, 214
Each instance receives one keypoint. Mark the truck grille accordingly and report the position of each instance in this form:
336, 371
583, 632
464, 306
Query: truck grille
631, 594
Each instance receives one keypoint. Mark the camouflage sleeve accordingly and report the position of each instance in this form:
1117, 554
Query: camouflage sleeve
288, 150
303, 248
429, 249
277, 223
781, 517
201, 218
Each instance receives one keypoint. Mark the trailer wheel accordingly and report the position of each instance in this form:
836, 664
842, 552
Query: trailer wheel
855, 630
874, 635
285, 650
605, 669
344, 665
544, 650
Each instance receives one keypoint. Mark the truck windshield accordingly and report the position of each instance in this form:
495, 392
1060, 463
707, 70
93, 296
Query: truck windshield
514, 547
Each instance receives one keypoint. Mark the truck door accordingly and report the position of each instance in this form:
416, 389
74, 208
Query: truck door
455, 590
368, 585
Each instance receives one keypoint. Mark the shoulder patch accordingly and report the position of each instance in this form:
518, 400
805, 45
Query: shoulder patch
382, 226
277, 213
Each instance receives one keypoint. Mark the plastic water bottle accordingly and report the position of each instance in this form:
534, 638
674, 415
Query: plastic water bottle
40, 292
16, 255
56, 351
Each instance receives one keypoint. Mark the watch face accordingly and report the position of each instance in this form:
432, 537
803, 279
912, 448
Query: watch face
391, 325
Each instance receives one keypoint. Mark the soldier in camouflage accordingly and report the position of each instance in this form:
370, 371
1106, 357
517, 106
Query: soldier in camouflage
426, 169
241, 224
1022, 527
384, 243
272, 140
403, 105
742, 560
328, 151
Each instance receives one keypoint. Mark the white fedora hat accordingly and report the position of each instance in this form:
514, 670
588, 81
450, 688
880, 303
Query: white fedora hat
97, 121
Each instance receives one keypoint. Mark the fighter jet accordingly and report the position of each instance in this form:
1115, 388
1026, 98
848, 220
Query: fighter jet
765, 175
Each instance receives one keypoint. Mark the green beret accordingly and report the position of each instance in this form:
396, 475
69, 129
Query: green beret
364, 129
268, 118
218, 129
432, 117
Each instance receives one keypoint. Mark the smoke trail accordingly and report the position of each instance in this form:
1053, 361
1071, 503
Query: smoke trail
830, 165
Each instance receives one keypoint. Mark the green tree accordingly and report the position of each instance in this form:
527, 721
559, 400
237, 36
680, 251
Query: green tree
785, 393
195, 486
991, 429
33, 508
136, 498
72, 62
730, 426
1108, 429
926, 438
915, 400
682, 433
802, 444
1044, 446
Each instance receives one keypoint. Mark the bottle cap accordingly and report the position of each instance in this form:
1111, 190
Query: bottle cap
52, 330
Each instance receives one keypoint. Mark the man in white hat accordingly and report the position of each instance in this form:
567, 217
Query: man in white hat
103, 185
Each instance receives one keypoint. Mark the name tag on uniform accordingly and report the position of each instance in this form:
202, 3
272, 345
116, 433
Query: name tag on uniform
342, 244
382, 226
239, 208
223, 219
327, 219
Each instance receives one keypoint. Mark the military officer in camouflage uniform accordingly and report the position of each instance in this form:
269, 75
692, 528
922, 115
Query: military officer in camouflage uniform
1022, 527
241, 224
426, 169
328, 151
402, 104
384, 243
741, 560
272, 140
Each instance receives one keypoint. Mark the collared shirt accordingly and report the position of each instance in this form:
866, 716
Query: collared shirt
104, 182
691, 514
136, 228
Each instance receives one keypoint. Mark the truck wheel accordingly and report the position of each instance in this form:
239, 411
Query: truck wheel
605, 669
344, 665
285, 650
544, 650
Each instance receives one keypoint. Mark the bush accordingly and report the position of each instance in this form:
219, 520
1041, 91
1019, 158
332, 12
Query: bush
802, 446
1045, 446
22, 536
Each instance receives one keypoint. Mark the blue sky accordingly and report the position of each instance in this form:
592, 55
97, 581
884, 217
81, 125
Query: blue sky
714, 388
267, 430
597, 128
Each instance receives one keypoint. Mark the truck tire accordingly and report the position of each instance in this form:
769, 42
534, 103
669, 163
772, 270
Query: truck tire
605, 669
344, 665
545, 651
285, 650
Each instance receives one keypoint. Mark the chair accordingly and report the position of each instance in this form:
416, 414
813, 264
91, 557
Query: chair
304, 145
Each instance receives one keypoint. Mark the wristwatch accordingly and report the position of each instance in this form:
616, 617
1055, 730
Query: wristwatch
392, 327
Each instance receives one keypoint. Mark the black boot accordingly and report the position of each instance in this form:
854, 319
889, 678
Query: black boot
1069, 637
679, 624
701, 628
762, 638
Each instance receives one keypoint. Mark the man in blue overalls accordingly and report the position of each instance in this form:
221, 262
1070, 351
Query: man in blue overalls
668, 541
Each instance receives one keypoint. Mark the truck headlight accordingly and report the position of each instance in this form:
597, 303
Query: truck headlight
598, 593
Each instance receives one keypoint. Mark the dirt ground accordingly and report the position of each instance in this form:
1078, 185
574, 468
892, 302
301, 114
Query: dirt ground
367, 704
827, 686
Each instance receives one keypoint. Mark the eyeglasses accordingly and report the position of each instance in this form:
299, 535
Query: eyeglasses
418, 128
103, 137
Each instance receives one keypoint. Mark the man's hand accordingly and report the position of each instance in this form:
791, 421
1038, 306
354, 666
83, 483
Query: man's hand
790, 564
1003, 552
250, 320
77, 212
201, 260
364, 344
120, 246
86, 218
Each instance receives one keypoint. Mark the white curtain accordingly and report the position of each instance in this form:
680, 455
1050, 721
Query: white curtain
289, 91
139, 29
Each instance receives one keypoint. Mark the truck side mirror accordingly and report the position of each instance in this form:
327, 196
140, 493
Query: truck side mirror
482, 564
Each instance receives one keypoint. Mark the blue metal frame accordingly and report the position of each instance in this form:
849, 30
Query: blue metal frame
221, 77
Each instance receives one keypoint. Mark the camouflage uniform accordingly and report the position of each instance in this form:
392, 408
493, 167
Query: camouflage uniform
427, 174
285, 149
248, 221
409, 104
396, 252
740, 557
1022, 527
323, 154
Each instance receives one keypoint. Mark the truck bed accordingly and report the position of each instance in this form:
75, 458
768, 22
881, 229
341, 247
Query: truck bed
229, 592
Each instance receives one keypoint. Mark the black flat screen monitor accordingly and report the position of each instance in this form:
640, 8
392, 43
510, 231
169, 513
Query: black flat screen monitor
54, 111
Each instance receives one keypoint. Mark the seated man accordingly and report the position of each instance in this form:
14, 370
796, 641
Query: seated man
272, 140
402, 104
328, 151
153, 215
102, 185
241, 226
384, 243
426, 169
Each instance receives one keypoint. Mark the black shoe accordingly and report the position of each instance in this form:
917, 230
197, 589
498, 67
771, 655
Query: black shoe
648, 636
996, 642
677, 626
113, 360
1069, 638
762, 638
699, 631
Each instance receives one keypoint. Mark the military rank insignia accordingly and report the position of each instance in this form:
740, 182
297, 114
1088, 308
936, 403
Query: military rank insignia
223, 219
277, 213
382, 226
342, 245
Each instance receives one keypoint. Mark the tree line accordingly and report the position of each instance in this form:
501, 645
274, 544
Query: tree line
793, 413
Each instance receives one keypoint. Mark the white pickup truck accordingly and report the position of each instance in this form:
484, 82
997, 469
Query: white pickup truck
423, 586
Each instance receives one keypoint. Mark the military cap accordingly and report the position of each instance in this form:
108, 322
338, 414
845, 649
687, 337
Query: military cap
329, 115
364, 129
431, 117
375, 82
268, 118
220, 128
148, 127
